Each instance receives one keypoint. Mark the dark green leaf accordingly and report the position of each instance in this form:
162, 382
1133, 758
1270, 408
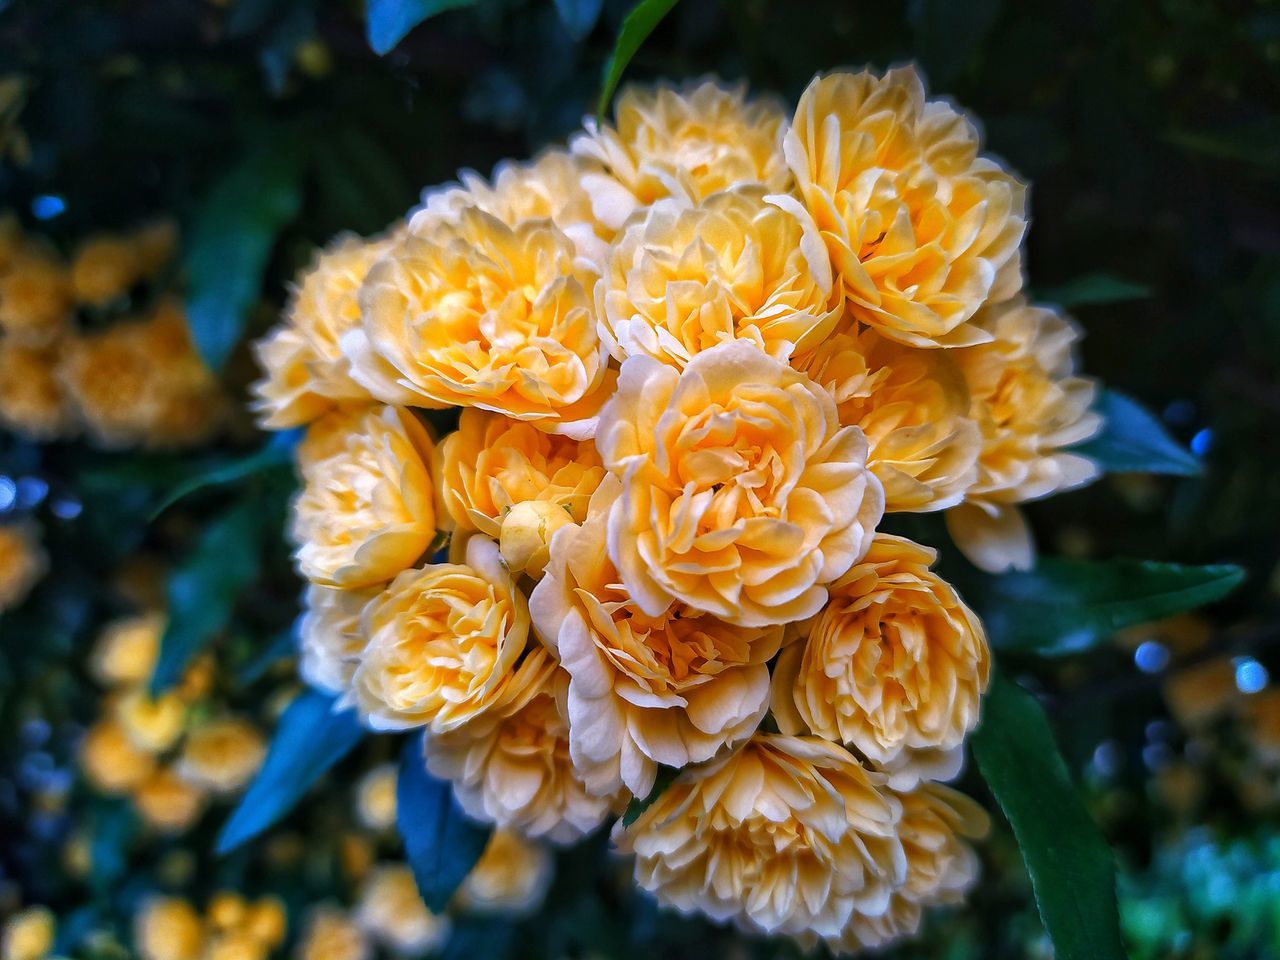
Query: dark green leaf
282, 646
388, 21
1134, 441
204, 589
1071, 868
231, 241
1094, 289
1064, 606
310, 739
115, 825
579, 16
277, 452
638, 805
640, 22
441, 842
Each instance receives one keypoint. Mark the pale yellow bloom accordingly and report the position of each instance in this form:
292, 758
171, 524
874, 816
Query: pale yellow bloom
168, 802
111, 761
525, 537
913, 406
168, 928
104, 267
549, 187
743, 496
921, 229
154, 725
226, 910
33, 400
28, 934
512, 875
221, 755
367, 507
492, 463
1031, 407
126, 651
442, 642
788, 835
511, 765
895, 665
391, 912
732, 267
266, 921
35, 296
306, 371
484, 314
644, 690
331, 934
330, 635
687, 142
22, 563
376, 797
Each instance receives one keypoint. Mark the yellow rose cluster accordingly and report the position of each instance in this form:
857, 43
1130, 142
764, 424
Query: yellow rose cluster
77, 354
655, 393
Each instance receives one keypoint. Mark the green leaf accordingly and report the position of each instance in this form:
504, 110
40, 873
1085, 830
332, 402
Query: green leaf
388, 21
1071, 868
114, 829
310, 739
640, 22
441, 842
1134, 441
579, 16
1094, 289
230, 244
1065, 606
638, 805
277, 452
205, 587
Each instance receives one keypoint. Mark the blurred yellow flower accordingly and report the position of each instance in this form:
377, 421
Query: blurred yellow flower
306, 371
689, 142
221, 755
367, 507
742, 496
921, 229
488, 315
167, 928
330, 635
33, 400
376, 797
442, 642
22, 563
895, 666
168, 802
391, 912
491, 463
1030, 406
330, 934
913, 406
111, 761
512, 875
104, 267
644, 690
126, 651
35, 296
28, 934
154, 725
788, 835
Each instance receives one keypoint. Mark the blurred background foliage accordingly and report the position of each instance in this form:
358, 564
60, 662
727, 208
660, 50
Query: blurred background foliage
1150, 132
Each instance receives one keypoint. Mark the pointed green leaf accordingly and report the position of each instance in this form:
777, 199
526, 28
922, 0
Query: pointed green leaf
640, 22
1133, 441
1072, 870
276, 452
389, 21
1094, 289
441, 842
310, 739
1065, 606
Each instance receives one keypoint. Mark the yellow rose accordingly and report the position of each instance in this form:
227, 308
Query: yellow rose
22, 563
941, 867
330, 934
549, 187
168, 929
1030, 406
913, 406
168, 802
330, 635
742, 495
442, 642
688, 142
28, 934
110, 760
104, 267
921, 229
126, 650
35, 296
266, 921
492, 463
512, 875
644, 690
221, 755
487, 315
33, 400
391, 911
376, 797
154, 725
788, 835
732, 267
525, 538
367, 507
895, 666
306, 371
511, 765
